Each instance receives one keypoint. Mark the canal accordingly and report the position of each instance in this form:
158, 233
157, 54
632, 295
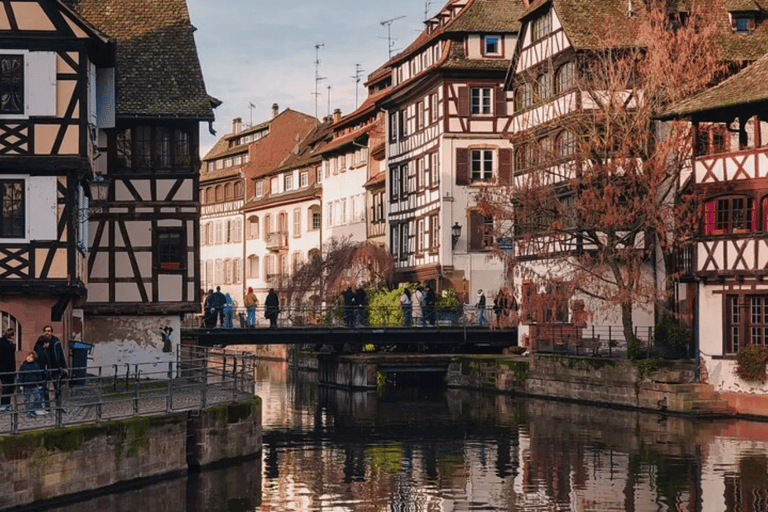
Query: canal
418, 447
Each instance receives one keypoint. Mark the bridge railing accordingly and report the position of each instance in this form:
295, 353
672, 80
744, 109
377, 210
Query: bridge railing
198, 378
592, 339
341, 316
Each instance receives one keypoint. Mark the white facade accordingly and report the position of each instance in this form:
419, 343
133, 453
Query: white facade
344, 199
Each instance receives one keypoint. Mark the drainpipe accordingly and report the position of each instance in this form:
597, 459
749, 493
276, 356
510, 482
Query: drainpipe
697, 369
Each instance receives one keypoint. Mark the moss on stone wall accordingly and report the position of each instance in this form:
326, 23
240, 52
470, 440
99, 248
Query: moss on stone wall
235, 413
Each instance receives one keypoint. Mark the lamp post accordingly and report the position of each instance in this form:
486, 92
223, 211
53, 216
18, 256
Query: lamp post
98, 186
455, 234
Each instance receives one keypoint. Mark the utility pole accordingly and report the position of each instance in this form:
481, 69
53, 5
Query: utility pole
390, 41
357, 76
318, 78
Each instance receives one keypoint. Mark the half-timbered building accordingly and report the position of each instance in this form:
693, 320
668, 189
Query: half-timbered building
446, 114
231, 177
56, 79
144, 254
724, 273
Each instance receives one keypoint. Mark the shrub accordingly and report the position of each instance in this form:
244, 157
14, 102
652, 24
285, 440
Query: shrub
670, 338
384, 308
750, 363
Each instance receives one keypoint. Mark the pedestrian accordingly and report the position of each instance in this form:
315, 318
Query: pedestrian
348, 297
41, 349
480, 307
428, 306
361, 303
7, 368
217, 302
229, 311
56, 359
272, 308
501, 307
209, 318
407, 305
30, 380
251, 303
513, 307
418, 307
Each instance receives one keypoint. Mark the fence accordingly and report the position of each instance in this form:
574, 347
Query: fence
590, 340
199, 377
340, 316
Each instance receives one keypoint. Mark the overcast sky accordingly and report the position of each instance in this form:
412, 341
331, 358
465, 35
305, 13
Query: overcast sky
263, 52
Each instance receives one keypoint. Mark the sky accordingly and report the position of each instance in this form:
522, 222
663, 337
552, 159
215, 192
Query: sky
262, 52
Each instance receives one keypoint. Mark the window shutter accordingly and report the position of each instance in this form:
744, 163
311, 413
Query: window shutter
505, 166
501, 102
462, 166
40, 95
464, 101
476, 230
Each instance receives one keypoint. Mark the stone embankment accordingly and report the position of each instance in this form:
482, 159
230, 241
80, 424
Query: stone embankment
49, 465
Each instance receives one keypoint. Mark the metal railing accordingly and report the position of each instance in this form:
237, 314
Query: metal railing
340, 316
198, 378
608, 340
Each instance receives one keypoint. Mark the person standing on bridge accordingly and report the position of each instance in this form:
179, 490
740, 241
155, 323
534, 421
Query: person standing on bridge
251, 303
480, 307
7, 368
229, 311
348, 296
272, 308
407, 304
418, 307
361, 302
428, 306
216, 303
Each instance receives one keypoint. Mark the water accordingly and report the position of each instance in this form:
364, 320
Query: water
429, 449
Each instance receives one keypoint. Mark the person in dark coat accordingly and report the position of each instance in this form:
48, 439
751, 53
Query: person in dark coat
272, 308
349, 306
41, 349
217, 302
57, 361
429, 305
209, 318
361, 302
30, 380
7, 368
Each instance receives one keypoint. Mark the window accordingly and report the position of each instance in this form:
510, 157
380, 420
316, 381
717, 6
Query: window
268, 228
209, 282
304, 179
743, 23
253, 266
404, 178
170, 251
522, 97
228, 191
288, 182
480, 100
542, 26
295, 262
315, 218
394, 183
435, 170
711, 139
403, 123
209, 195
12, 84
237, 230
393, 126
421, 236
227, 271
253, 227
482, 165
566, 144
404, 241
239, 190
434, 233
491, 45
730, 215
274, 186
394, 240
746, 321
12, 209
218, 271
420, 115
542, 90
565, 78
259, 189
297, 222
157, 148
238, 271
8, 321
318, 175
219, 193
480, 231
433, 107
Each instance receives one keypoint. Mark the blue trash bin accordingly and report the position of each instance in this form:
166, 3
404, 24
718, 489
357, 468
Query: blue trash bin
79, 352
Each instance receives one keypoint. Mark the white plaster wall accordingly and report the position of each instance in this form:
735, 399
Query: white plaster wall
131, 340
345, 185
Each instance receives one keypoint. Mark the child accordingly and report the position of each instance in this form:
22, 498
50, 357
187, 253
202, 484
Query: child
30, 379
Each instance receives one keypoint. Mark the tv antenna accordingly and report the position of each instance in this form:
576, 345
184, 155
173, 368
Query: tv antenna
357, 76
318, 78
427, 5
251, 106
329, 100
390, 41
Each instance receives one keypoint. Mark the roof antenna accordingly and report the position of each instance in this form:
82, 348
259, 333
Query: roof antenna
251, 106
329, 100
427, 5
390, 41
630, 10
318, 78
357, 76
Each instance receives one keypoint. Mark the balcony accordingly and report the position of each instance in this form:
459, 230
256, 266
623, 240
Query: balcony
277, 241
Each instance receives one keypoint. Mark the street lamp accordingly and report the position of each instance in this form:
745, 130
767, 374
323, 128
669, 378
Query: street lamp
98, 186
455, 234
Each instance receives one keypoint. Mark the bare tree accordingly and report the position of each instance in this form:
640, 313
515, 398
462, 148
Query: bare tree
596, 197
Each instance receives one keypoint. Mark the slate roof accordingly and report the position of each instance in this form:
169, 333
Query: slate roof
489, 16
158, 70
747, 86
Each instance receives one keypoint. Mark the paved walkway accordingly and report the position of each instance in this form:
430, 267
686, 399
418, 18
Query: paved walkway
81, 404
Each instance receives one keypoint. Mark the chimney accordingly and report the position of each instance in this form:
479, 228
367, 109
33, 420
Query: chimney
237, 125
275, 110
337, 115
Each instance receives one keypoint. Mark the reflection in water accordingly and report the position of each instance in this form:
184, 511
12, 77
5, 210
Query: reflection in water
424, 448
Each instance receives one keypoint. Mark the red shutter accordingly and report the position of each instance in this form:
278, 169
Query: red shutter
501, 102
464, 101
505, 166
476, 230
462, 166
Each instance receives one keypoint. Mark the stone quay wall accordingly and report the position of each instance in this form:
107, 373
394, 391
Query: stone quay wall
47, 465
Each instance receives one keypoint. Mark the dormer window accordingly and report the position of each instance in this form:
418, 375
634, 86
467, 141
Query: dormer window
491, 46
542, 26
743, 22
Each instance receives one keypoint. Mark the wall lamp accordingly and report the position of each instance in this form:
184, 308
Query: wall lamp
455, 234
